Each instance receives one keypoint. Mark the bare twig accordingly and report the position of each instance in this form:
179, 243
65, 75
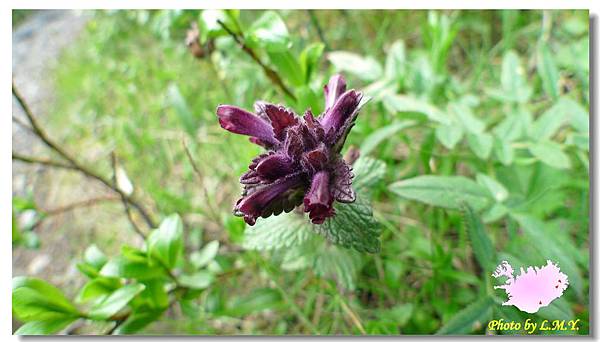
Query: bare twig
80, 204
207, 198
135, 226
46, 162
271, 74
72, 162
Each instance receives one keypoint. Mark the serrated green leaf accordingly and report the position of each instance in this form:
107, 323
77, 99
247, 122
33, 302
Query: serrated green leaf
449, 135
381, 134
339, 264
405, 103
481, 144
115, 302
551, 154
35, 299
353, 226
281, 231
480, 242
465, 320
365, 68
205, 255
166, 242
47, 326
442, 191
548, 71
368, 172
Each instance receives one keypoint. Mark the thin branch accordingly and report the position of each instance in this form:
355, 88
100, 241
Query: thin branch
45, 162
271, 74
73, 163
77, 205
315, 21
137, 229
22, 124
207, 198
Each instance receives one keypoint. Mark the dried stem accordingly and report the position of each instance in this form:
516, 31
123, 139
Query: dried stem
45, 162
72, 162
271, 74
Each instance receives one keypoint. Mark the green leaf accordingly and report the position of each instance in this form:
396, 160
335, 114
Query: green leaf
137, 321
198, 280
208, 25
98, 287
122, 267
449, 135
442, 191
365, 68
514, 83
548, 71
166, 242
281, 231
95, 257
466, 118
395, 63
287, 66
258, 300
381, 134
309, 59
270, 31
496, 189
504, 151
408, 104
353, 226
339, 264
35, 299
565, 110
549, 248
368, 172
183, 111
481, 144
480, 242
206, 255
47, 326
115, 302
464, 321
307, 98
551, 154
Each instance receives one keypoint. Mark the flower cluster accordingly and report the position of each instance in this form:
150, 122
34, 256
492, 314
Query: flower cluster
303, 164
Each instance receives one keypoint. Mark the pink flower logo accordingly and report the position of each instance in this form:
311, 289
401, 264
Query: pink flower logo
534, 288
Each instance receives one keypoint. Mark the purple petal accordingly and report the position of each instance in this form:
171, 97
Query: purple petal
237, 120
266, 200
280, 117
333, 90
341, 187
342, 112
275, 166
318, 202
316, 160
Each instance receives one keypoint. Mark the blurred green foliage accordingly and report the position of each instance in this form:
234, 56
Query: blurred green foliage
476, 117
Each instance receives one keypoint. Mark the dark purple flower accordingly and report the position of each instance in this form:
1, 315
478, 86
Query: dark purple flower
303, 164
